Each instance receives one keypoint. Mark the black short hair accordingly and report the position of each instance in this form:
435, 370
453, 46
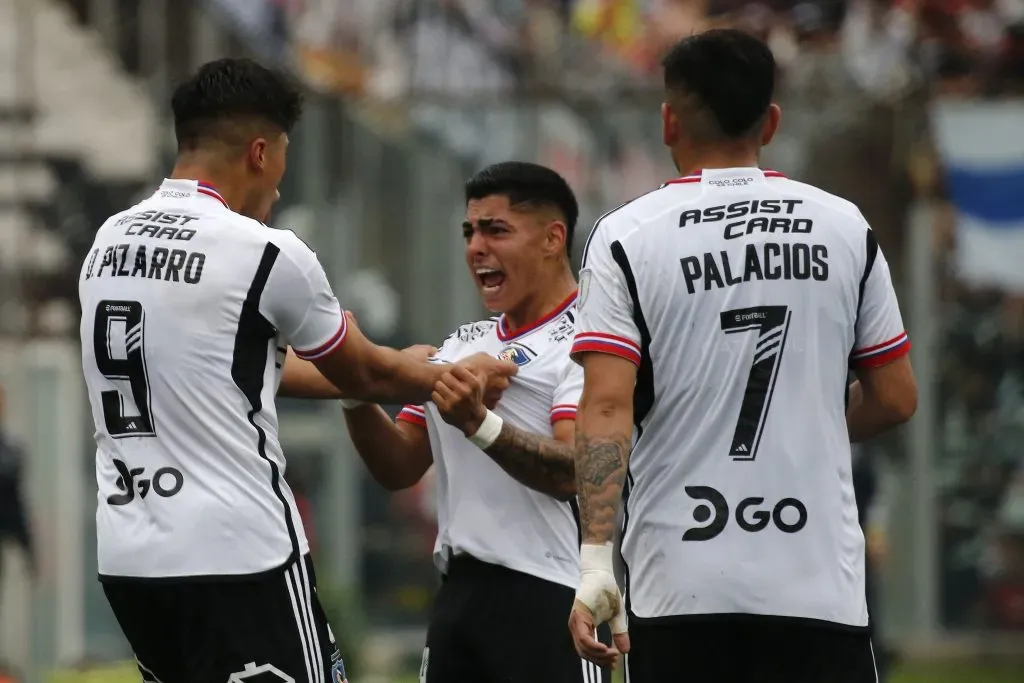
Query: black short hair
725, 76
226, 93
527, 184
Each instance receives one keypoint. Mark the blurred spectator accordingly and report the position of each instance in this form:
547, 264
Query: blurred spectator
13, 514
459, 48
877, 42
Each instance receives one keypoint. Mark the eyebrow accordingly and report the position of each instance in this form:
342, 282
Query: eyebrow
484, 223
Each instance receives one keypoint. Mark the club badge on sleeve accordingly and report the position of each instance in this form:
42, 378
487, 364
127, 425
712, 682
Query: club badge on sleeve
584, 287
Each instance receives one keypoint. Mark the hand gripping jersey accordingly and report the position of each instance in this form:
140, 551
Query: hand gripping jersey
186, 311
743, 297
481, 510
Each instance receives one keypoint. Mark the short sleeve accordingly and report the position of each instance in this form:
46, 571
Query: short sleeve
300, 303
879, 334
417, 415
604, 312
567, 393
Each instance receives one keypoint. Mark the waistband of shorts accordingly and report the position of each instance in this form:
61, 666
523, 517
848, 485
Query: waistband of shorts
211, 578
732, 618
465, 567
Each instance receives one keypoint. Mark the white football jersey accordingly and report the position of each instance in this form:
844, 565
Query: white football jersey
481, 510
186, 311
743, 297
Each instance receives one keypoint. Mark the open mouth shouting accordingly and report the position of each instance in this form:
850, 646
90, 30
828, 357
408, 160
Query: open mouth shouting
490, 280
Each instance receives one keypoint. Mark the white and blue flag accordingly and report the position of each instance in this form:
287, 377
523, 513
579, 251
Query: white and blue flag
981, 145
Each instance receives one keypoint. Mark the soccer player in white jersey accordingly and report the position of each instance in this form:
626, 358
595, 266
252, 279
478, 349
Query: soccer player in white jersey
188, 304
508, 534
717, 319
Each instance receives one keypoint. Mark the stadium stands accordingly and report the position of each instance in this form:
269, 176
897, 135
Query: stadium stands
62, 163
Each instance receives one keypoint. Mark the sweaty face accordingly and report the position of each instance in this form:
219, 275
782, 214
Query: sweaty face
504, 251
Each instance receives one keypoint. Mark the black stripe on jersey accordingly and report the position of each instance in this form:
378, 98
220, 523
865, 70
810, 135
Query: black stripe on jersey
248, 366
869, 262
871, 254
643, 393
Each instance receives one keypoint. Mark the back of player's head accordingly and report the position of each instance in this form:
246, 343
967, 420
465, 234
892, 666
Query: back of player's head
528, 186
721, 83
228, 99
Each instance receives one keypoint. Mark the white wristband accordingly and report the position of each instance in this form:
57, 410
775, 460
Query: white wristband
597, 557
488, 432
350, 403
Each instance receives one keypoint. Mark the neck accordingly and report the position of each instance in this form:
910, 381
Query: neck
543, 300
691, 161
193, 167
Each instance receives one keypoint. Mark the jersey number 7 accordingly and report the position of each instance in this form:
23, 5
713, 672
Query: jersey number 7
118, 337
772, 325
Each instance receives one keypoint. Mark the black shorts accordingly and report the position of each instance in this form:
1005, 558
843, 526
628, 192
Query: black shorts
491, 624
265, 628
742, 648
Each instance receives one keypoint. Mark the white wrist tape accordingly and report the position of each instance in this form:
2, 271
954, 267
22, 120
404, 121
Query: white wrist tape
350, 403
488, 432
598, 589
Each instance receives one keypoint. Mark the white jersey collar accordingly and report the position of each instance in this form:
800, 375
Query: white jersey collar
505, 334
177, 188
727, 177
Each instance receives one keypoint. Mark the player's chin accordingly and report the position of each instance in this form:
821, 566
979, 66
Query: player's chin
494, 297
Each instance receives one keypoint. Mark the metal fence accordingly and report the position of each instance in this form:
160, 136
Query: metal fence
376, 187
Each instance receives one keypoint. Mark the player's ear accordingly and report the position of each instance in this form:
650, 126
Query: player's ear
771, 124
669, 134
258, 154
554, 239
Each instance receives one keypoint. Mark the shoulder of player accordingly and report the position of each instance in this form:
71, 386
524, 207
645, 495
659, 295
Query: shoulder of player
824, 200
292, 247
468, 333
626, 218
122, 217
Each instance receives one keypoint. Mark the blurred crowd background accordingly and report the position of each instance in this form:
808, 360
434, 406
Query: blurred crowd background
913, 109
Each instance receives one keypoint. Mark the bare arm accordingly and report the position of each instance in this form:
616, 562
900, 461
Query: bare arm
881, 398
604, 436
378, 374
397, 454
301, 379
542, 463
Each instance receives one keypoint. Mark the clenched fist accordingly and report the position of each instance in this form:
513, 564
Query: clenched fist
459, 397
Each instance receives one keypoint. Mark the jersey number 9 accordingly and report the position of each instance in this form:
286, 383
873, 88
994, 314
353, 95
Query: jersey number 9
121, 357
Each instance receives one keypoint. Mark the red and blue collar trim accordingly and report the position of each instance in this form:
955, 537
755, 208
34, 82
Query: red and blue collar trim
696, 177
504, 334
210, 191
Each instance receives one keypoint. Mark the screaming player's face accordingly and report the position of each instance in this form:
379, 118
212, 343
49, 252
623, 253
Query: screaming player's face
267, 161
507, 249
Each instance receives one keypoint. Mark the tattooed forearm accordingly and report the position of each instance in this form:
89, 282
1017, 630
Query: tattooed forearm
600, 474
542, 463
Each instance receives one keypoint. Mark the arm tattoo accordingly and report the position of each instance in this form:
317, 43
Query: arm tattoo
539, 462
600, 475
